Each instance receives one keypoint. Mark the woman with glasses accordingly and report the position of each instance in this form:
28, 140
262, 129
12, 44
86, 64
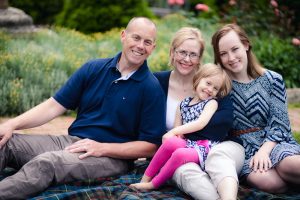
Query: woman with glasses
185, 56
183, 143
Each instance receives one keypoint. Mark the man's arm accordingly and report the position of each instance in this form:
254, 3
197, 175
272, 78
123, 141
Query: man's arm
128, 150
34, 117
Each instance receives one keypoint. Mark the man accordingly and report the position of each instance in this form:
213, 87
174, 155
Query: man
120, 117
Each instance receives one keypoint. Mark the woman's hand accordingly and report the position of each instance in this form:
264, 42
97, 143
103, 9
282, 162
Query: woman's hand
261, 161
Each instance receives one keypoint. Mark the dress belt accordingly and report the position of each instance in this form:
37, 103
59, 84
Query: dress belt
241, 132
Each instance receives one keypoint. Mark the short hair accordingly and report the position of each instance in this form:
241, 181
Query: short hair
211, 69
183, 34
144, 19
254, 69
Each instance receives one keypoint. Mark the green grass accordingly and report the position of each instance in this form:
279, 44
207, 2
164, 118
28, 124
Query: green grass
297, 136
294, 105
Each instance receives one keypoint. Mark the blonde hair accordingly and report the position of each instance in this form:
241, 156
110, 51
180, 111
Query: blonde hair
254, 69
211, 69
183, 34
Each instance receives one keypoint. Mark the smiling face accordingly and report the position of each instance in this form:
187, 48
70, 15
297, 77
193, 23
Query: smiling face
138, 42
209, 86
233, 53
186, 57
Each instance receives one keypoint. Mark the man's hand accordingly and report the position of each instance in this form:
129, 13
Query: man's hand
89, 147
6, 132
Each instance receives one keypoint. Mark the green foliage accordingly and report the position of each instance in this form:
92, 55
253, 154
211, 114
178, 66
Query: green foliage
213, 9
95, 16
279, 55
297, 136
42, 12
261, 17
294, 105
33, 66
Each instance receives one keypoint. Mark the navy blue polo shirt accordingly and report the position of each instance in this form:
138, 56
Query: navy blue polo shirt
111, 110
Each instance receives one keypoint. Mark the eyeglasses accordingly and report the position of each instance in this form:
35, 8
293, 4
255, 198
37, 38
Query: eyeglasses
183, 54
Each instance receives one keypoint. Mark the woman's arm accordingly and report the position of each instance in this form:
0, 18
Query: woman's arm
221, 122
278, 127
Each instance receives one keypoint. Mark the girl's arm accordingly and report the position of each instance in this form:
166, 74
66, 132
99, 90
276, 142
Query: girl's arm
208, 111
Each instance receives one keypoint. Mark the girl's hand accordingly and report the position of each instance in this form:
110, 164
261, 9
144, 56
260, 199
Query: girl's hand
168, 135
260, 161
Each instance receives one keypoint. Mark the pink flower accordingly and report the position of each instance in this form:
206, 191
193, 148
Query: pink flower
296, 41
202, 7
274, 3
180, 2
232, 2
276, 12
171, 2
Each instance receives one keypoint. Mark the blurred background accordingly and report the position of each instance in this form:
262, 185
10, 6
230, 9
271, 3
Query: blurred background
43, 42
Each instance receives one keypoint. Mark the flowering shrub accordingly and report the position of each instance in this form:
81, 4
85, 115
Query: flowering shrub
176, 2
202, 7
296, 41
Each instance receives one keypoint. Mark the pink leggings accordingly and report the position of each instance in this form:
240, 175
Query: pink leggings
170, 155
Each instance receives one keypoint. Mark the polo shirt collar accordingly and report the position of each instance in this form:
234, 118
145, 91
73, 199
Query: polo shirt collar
139, 75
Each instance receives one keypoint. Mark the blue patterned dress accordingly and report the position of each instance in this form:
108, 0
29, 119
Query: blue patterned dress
191, 113
262, 103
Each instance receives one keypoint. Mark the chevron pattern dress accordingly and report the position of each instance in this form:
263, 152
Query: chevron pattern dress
262, 104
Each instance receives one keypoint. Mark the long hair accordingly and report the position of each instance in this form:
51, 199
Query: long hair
210, 69
254, 69
183, 34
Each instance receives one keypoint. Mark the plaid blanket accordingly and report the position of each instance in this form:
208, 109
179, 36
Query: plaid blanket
117, 188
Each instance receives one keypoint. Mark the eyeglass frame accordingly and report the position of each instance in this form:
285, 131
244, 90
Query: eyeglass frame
183, 54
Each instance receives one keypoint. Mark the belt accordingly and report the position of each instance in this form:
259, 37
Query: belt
241, 132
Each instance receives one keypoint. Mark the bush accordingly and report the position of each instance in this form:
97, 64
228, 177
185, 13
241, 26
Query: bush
262, 16
42, 12
96, 16
33, 66
279, 55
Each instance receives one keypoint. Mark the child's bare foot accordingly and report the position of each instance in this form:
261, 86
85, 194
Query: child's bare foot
142, 186
146, 179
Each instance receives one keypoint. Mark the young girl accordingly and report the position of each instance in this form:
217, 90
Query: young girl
183, 144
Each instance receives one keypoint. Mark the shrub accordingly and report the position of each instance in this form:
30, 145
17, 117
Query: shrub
94, 16
279, 55
262, 16
42, 12
33, 66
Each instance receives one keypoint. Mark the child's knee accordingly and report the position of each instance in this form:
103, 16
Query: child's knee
172, 143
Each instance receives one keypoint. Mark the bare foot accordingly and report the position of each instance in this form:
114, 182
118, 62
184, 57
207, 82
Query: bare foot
142, 186
146, 179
